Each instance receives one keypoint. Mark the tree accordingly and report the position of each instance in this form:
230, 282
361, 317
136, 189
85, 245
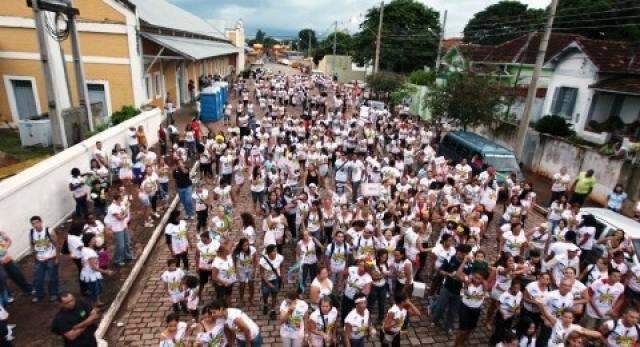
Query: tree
466, 100
596, 19
409, 40
422, 77
385, 82
304, 35
600, 19
344, 46
501, 22
260, 36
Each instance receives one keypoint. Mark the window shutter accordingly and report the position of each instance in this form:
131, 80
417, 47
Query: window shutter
573, 95
554, 103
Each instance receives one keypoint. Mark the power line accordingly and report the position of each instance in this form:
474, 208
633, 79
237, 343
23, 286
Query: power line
540, 20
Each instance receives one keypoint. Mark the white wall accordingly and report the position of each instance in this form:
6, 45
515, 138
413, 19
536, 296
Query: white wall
43, 188
574, 70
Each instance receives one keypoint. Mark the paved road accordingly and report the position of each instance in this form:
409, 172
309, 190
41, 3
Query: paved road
143, 314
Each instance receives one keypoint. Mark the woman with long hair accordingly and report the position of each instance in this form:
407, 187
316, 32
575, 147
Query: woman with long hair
246, 260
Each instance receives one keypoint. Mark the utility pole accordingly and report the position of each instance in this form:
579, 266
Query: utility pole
444, 24
59, 135
531, 94
335, 39
376, 65
83, 92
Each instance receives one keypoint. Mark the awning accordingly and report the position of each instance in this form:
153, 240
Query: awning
194, 49
621, 85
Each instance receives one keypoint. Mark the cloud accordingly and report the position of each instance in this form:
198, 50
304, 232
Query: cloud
287, 17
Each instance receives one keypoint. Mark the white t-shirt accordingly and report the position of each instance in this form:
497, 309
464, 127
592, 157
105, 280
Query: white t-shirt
472, 295
269, 275
535, 292
603, 296
226, 269
559, 333
560, 182
173, 280
88, 274
330, 319
294, 326
359, 324
179, 236
232, 315
588, 232
213, 337
207, 254
356, 282
114, 223
620, 335
557, 303
399, 315
42, 244
509, 304
338, 254
512, 243
81, 189
308, 252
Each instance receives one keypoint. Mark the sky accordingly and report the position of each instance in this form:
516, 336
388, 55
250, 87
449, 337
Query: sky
286, 17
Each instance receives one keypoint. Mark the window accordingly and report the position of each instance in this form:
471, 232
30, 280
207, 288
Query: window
22, 96
564, 101
148, 86
98, 99
158, 86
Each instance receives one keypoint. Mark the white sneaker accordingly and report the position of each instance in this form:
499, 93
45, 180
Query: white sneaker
148, 224
156, 214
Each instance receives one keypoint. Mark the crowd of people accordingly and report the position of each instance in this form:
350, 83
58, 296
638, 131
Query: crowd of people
381, 228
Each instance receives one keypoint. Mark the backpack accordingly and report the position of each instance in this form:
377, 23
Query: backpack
333, 248
615, 326
47, 234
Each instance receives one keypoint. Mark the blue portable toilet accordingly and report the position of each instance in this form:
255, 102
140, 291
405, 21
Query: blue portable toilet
210, 104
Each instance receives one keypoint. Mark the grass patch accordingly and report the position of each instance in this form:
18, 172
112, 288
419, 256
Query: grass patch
10, 144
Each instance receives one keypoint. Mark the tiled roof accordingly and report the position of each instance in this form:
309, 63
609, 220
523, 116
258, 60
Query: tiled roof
627, 84
473, 52
514, 51
447, 44
612, 56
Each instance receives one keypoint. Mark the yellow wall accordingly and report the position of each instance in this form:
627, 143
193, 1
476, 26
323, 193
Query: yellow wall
29, 68
90, 10
101, 44
169, 68
18, 40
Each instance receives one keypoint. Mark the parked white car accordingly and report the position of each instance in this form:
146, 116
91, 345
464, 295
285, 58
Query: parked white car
608, 221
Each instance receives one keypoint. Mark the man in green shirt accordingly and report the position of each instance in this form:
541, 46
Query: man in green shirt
582, 187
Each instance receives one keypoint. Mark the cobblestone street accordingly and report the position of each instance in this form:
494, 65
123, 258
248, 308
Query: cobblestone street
142, 315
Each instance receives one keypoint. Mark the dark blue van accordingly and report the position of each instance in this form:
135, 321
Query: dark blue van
457, 145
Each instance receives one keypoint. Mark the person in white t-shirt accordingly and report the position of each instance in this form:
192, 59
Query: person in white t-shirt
606, 300
172, 277
91, 273
358, 282
357, 324
223, 272
560, 185
206, 250
177, 238
270, 265
292, 318
245, 330
623, 331
508, 309
246, 258
395, 318
322, 325
79, 190
562, 328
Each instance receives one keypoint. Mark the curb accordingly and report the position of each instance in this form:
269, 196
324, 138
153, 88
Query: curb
123, 293
108, 317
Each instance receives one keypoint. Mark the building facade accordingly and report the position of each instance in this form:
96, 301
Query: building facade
134, 52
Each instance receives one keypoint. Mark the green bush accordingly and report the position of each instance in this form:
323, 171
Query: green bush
125, 113
422, 78
554, 125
